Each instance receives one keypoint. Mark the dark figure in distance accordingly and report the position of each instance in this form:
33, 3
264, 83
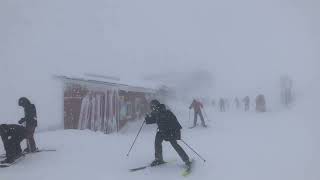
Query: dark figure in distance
196, 105
260, 103
168, 130
12, 135
222, 105
246, 102
30, 117
237, 103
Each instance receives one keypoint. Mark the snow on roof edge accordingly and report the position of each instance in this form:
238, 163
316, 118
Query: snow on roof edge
121, 85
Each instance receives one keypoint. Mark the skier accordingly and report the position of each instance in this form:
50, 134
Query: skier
222, 105
260, 103
246, 102
168, 130
31, 122
196, 105
12, 135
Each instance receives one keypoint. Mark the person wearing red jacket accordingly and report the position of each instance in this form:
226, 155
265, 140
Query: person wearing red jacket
197, 106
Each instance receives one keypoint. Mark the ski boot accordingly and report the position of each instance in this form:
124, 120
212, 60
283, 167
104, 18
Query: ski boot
7, 161
157, 162
188, 163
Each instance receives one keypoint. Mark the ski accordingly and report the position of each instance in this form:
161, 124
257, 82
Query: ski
37, 151
3, 156
41, 150
4, 165
146, 166
187, 169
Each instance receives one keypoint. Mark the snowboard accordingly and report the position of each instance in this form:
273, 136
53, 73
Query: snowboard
4, 165
37, 151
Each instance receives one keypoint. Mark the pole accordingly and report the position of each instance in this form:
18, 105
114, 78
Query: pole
136, 138
193, 150
205, 114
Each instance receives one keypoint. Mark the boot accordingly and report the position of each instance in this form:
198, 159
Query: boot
188, 163
7, 161
157, 162
26, 150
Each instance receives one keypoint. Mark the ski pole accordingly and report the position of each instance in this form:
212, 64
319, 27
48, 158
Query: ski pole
206, 114
135, 138
193, 150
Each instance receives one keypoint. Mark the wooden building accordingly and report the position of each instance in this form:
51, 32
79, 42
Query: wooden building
103, 105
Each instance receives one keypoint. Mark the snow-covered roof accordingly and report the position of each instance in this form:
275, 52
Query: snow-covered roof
125, 84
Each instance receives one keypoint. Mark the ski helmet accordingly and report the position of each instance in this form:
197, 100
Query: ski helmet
154, 104
23, 101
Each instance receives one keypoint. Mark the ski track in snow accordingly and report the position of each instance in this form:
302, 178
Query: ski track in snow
237, 145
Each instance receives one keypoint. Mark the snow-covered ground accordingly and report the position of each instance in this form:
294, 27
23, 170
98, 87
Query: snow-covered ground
236, 145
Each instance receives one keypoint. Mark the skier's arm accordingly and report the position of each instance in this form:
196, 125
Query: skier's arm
22, 120
191, 105
150, 119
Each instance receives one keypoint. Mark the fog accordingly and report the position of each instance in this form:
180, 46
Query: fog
245, 46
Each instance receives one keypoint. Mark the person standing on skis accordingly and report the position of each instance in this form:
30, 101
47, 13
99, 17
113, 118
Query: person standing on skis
30, 117
168, 130
12, 135
222, 106
246, 101
197, 105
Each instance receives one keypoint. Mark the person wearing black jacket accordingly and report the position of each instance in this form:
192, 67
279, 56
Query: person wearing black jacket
12, 135
168, 130
30, 117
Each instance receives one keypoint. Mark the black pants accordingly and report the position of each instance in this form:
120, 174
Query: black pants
31, 144
158, 148
12, 148
196, 118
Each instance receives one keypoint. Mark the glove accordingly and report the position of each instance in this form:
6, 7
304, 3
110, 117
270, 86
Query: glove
21, 121
147, 118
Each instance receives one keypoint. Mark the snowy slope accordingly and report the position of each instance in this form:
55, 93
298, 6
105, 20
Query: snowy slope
237, 145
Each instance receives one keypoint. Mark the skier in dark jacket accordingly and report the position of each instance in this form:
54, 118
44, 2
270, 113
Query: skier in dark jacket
12, 135
168, 130
30, 117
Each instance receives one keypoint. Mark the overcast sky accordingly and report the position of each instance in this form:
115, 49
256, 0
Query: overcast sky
246, 45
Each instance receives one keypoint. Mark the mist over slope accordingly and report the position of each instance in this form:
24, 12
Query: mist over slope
246, 45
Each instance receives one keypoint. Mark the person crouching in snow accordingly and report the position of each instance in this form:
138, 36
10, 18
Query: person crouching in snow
12, 135
196, 105
30, 117
168, 130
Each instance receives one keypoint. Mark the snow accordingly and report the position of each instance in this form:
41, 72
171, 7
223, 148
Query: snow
236, 145
245, 45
